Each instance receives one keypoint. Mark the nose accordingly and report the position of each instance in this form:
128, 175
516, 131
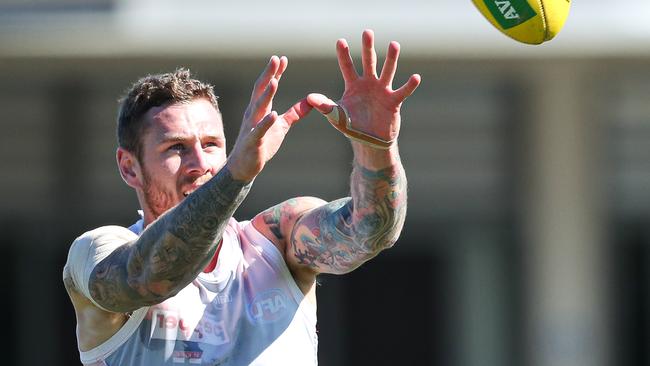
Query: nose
198, 161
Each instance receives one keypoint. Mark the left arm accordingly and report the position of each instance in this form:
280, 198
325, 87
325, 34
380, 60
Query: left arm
339, 236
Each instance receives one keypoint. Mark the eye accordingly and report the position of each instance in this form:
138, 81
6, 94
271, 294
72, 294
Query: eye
212, 144
177, 147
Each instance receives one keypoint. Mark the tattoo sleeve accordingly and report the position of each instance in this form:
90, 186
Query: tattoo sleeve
341, 235
171, 252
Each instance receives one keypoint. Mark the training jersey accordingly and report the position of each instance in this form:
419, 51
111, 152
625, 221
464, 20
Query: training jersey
247, 311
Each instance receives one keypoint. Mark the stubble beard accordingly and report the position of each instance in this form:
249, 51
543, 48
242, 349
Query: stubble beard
157, 199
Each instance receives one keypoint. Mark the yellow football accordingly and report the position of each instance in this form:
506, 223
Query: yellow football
527, 21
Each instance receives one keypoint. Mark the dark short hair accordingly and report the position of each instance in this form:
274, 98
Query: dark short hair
154, 91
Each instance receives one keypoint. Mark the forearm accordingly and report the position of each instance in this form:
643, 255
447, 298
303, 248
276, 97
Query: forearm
187, 236
339, 236
378, 189
172, 250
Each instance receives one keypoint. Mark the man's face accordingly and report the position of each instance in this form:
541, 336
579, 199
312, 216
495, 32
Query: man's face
183, 147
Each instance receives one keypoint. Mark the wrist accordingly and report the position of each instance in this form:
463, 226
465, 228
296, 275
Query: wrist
375, 158
339, 117
238, 172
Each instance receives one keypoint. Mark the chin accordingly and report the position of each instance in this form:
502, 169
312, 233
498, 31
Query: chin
159, 204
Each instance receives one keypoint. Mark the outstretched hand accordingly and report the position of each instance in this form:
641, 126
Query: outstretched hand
263, 130
369, 99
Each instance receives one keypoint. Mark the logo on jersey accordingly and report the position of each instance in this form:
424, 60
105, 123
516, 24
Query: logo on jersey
203, 328
268, 306
191, 356
220, 300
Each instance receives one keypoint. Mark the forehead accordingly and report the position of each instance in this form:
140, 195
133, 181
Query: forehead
188, 119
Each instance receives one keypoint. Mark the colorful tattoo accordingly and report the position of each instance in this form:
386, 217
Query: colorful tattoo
341, 235
274, 216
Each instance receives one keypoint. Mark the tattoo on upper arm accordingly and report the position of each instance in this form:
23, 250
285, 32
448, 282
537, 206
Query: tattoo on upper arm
171, 251
272, 219
276, 216
68, 282
323, 239
341, 235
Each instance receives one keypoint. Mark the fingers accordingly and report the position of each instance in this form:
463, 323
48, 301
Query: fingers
368, 55
284, 62
408, 88
390, 65
291, 116
273, 70
260, 107
266, 75
297, 111
345, 61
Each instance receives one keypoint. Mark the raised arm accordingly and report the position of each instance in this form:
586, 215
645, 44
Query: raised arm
339, 236
171, 251
174, 249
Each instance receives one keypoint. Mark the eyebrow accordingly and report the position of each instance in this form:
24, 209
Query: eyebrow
181, 138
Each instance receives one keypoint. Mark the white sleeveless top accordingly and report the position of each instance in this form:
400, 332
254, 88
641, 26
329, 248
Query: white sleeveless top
247, 311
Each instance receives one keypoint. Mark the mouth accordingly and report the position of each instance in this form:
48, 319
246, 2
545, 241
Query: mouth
196, 185
191, 190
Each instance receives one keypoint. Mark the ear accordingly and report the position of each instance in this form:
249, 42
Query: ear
129, 168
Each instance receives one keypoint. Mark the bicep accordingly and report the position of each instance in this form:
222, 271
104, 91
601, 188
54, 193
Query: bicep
114, 285
323, 240
276, 223
98, 268
136, 275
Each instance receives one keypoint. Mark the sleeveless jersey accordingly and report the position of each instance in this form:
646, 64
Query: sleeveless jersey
247, 311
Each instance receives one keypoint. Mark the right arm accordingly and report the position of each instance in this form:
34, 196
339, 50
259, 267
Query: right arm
174, 249
171, 252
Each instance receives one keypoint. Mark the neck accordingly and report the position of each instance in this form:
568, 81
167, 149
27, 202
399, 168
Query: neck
148, 215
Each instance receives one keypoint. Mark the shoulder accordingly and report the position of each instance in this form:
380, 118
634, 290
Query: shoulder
277, 222
94, 324
101, 240
103, 233
89, 249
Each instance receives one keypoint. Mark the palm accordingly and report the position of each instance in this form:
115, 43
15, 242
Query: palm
372, 108
273, 138
372, 104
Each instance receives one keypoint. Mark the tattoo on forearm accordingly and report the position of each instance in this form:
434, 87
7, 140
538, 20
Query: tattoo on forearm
172, 251
341, 235
380, 205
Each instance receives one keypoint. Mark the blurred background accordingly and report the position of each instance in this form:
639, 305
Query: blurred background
528, 229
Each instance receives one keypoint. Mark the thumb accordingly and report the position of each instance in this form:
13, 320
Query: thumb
321, 103
265, 124
297, 111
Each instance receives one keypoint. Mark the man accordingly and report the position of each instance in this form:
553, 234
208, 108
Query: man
188, 284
